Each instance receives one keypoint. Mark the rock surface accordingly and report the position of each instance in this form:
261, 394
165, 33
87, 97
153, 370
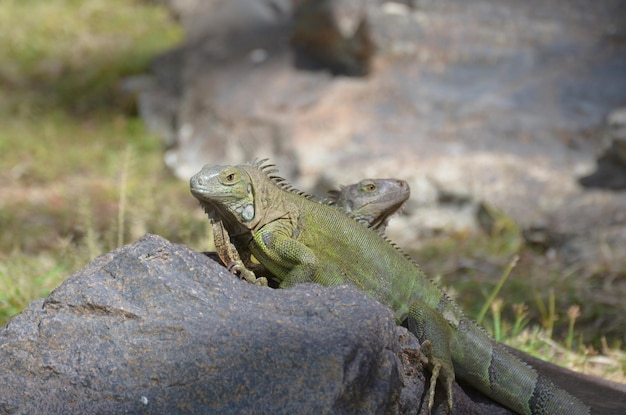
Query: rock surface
155, 327
158, 328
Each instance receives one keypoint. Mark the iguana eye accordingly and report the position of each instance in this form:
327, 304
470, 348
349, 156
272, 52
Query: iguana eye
369, 187
229, 177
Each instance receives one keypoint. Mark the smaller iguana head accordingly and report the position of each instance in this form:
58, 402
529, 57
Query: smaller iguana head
225, 188
372, 201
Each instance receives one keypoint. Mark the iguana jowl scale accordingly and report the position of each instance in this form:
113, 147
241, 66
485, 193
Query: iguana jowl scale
300, 240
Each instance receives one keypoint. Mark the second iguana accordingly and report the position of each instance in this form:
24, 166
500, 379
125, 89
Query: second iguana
372, 201
300, 240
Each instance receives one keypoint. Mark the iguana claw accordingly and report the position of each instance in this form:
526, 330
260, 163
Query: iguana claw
245, 274
261, 281
436, 365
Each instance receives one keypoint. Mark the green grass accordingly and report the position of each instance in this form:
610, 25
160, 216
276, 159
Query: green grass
70, 141
72, 53
80, 175
509, 286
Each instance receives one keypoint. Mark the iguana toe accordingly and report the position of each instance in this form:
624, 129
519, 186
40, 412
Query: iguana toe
440, 370
262, 282
243, 273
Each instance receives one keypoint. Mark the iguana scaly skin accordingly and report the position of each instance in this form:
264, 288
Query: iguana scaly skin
300, 240
371, 201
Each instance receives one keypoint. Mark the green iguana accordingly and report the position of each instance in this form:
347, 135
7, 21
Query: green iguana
300, 240
372, 201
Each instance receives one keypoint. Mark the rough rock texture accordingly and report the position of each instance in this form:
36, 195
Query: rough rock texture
158, 328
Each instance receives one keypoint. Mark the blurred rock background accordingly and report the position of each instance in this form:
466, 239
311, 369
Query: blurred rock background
477, 101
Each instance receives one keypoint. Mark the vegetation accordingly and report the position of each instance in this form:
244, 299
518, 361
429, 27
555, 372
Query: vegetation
493, 275
80, 175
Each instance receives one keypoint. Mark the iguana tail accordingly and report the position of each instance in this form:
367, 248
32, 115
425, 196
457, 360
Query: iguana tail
490, 368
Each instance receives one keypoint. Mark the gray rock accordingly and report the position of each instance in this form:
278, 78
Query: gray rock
332, 35
158, 328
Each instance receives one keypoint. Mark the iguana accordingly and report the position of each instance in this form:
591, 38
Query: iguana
371, 201
300, 240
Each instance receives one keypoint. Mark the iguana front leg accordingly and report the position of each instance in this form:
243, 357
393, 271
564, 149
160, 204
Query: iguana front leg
285, 257
290, 260
230, 257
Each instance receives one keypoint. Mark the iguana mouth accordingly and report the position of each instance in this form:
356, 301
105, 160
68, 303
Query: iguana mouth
206, 197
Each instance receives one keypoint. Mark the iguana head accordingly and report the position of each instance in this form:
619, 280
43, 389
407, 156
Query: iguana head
250, 194
372, 200
225, 187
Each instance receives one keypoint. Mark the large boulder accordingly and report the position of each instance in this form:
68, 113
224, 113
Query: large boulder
158, 328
